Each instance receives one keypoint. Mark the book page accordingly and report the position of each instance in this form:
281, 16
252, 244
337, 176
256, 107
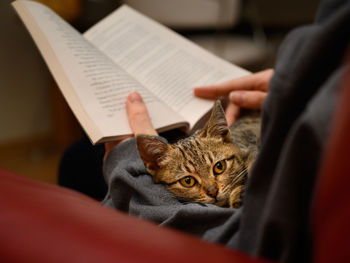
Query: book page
166, 63
93, 85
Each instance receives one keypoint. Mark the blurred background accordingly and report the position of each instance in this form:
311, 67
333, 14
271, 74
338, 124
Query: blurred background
36, 124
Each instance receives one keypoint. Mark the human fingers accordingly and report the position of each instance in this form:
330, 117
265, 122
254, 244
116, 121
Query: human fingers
231, 113
138, 117
248, 99
257, 81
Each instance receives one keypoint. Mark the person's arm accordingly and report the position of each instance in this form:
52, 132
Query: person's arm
247, 92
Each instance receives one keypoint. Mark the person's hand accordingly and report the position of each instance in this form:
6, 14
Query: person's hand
246, 92
138, 117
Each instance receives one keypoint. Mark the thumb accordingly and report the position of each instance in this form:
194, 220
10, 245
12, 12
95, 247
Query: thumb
138, 117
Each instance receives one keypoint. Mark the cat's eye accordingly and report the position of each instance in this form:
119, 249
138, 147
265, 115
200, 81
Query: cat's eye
219, 167
188, 181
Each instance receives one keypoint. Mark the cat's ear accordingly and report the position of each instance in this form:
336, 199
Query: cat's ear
217, 124
151, 150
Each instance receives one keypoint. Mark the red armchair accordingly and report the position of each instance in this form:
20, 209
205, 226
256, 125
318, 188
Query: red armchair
46, 223
331, 214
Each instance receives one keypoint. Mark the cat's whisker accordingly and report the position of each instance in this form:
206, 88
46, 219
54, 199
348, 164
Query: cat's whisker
238, 177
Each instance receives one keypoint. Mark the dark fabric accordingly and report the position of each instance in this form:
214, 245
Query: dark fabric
296, 119
297, 114
80, 169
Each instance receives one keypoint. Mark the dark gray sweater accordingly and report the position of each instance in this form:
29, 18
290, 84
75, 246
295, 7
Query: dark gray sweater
297, 114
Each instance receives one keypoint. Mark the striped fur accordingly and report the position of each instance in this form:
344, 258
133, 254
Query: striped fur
197, 156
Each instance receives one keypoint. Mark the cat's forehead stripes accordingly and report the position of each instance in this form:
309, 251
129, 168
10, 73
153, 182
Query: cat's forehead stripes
192, 151
210, 156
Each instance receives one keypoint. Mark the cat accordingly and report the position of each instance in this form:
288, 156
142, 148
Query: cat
209, 167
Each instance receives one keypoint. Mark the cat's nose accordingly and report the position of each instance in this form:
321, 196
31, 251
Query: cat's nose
212, 191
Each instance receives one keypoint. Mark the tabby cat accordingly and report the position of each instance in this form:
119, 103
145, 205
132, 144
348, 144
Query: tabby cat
211, 166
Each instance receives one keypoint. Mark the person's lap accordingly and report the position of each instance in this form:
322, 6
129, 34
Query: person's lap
81, 166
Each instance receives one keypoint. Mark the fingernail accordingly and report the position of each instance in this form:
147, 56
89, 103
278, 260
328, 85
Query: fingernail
135, 97
236, 97
195, 89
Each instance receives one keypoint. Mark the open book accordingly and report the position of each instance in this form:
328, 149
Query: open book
125, 51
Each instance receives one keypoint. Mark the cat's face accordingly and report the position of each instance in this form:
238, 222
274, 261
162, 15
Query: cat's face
206, 167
